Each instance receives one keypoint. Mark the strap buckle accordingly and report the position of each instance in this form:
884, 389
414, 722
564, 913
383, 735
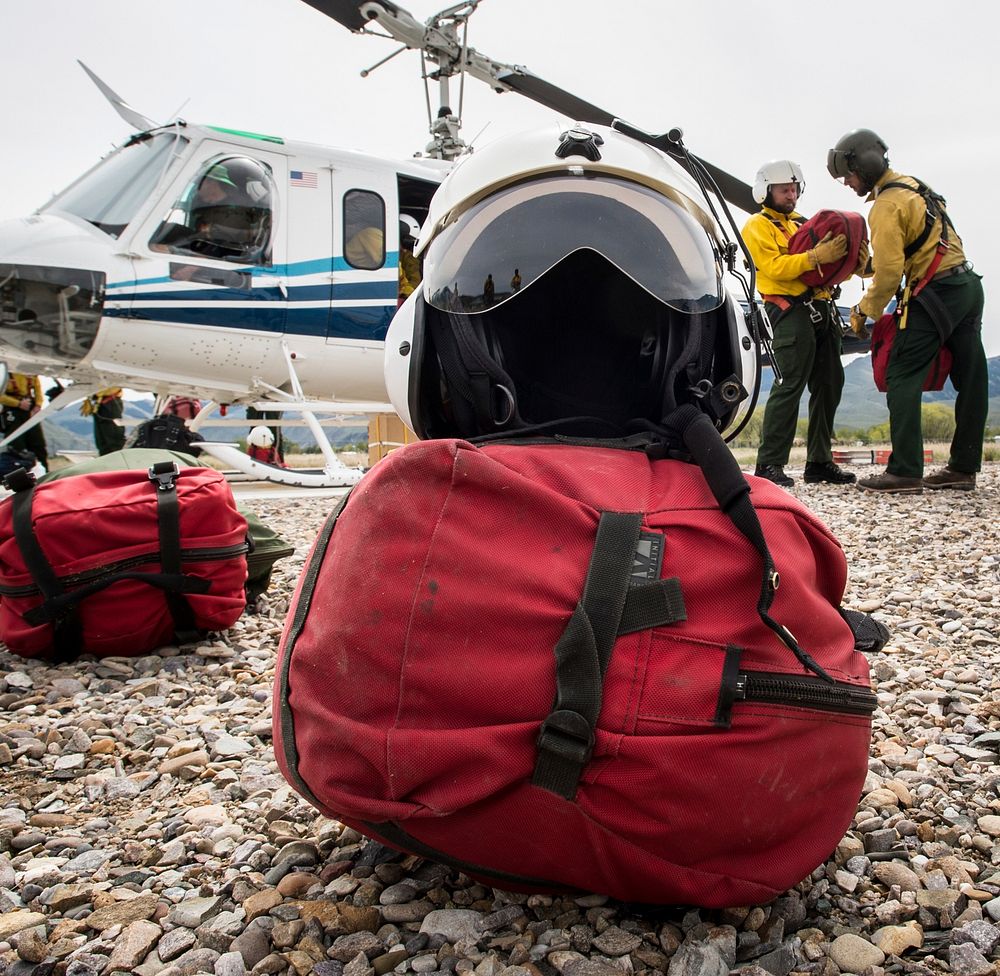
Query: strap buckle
20, 479
815, 315
163, 474
568, 735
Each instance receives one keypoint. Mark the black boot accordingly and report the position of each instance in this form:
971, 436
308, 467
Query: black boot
827, 471
775, 473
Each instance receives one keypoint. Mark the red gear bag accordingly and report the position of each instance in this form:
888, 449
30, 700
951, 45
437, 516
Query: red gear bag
119, 562
811, 232
571, 667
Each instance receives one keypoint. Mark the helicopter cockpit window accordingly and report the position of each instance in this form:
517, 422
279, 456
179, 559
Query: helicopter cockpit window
364, 229
225, 214
110, 195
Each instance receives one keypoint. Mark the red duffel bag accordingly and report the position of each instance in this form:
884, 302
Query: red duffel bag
811, 232
884, 336
571, 667
119, 562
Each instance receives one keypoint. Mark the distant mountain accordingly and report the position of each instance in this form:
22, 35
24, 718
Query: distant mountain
862, 406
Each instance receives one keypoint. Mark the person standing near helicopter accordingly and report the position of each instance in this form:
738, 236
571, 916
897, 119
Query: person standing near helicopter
21, 399
807, 333
918, 254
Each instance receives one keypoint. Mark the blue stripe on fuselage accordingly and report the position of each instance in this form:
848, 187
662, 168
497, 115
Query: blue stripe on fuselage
296, 269
367, 323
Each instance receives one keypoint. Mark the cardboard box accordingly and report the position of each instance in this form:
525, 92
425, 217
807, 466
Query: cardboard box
385, 432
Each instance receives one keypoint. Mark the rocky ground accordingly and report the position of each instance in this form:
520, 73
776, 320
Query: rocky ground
144, 827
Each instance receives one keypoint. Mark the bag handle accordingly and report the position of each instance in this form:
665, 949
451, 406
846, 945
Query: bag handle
611, 605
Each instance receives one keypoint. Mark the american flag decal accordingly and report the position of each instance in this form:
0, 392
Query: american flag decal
299, 177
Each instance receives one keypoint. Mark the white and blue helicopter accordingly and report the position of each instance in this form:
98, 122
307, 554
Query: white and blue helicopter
243, 268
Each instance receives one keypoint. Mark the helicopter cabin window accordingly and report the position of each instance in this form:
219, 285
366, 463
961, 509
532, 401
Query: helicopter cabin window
110, 195
225, 213
364, 230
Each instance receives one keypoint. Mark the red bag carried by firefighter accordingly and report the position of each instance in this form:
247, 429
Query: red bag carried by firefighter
835, 222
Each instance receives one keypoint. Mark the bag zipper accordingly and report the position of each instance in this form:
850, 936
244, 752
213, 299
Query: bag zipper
91, 575
804, 692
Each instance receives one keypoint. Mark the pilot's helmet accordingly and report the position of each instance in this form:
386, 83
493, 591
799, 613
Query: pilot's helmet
220, 174
619, 314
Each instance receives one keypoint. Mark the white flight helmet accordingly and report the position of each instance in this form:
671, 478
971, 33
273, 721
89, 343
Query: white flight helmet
261, 437
775, 172
409, 229
571, 282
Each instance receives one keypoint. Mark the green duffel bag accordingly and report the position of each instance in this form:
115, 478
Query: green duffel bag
267, 546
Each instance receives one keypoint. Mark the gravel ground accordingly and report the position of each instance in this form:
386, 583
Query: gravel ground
144, 827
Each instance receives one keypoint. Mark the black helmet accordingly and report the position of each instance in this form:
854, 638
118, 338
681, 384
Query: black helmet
861, 152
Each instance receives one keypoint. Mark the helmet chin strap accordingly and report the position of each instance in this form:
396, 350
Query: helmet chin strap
482, 393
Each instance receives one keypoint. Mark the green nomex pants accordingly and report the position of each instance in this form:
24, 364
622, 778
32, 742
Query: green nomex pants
808, 355
913, 350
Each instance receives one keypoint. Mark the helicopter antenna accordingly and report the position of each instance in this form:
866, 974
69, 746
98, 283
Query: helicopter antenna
175, 115
135, 119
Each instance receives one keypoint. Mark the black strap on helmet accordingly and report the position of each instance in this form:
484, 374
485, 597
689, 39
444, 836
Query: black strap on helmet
482, 393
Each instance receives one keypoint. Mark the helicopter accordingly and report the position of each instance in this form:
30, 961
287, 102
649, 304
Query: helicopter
140, 274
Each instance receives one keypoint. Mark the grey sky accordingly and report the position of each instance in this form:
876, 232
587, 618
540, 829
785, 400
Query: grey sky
746, 81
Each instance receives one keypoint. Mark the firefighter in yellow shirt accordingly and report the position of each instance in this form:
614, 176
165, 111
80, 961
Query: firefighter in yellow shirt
106, 407
909, 226
409, 266
807, 334
22, 399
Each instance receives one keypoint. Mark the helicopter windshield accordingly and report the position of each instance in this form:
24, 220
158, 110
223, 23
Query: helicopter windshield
110, 195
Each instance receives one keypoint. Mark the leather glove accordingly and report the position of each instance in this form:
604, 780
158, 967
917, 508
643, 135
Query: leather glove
864, 266
828, 250
858, 323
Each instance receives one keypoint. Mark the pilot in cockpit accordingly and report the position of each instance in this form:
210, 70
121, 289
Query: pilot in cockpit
226, 216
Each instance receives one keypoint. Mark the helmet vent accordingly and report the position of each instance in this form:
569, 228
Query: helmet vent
579, 141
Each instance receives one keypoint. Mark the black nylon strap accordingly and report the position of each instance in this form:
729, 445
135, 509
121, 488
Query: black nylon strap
653, 604
732, 492
937, 311
566, 740
66, 631
933, 206
163, 475
56, 606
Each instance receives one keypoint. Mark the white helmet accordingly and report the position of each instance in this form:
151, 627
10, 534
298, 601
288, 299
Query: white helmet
261, 437
409, 228
775, 172
618, 313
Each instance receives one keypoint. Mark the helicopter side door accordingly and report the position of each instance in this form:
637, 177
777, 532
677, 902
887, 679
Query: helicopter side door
365, 259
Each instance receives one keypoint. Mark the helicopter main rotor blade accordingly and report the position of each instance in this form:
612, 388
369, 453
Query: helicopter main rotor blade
346, 12
734, 190
447, 53
565, 103
537, 89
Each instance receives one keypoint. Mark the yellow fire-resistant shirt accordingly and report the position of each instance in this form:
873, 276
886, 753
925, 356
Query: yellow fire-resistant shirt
897, 217
19, 386
766, 235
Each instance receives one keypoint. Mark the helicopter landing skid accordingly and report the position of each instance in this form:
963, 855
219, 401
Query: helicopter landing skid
337, 475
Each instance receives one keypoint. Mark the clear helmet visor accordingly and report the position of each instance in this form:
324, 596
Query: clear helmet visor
838, 163
503, 244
